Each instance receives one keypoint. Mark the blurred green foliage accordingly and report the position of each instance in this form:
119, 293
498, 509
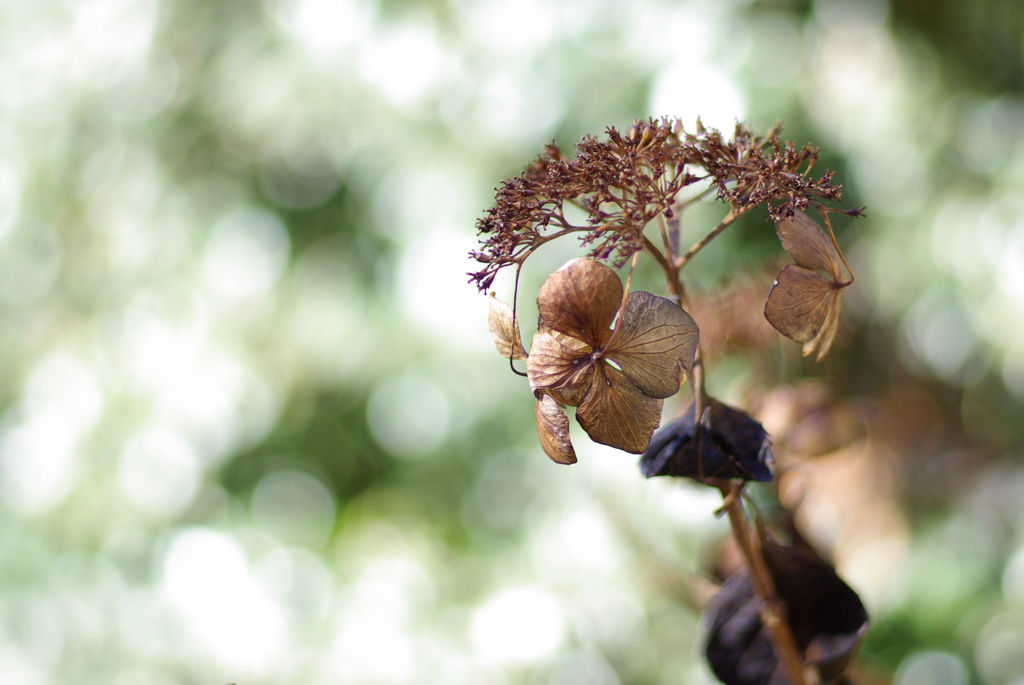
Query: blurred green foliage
253, 429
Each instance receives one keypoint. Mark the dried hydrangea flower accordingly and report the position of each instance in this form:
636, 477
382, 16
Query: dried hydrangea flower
616, 376
805, 298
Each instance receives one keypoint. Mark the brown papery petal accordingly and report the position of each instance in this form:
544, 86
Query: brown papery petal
553, 430
655, 344
809, 245
823, 340
569, 396
559, 364
581, 300
614, 412
801, 302
505, 330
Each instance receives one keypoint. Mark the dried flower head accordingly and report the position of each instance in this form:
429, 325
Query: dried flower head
616, 376
615, 358
624, 182
805, 298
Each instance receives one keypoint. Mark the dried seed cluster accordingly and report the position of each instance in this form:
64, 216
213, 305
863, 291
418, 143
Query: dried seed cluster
625, 181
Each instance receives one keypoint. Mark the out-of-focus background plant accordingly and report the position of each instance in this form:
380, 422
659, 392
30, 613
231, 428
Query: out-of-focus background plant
253, 429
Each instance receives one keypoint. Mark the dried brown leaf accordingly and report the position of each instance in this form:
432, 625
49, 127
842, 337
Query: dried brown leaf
553, 429
505, 330
822, 342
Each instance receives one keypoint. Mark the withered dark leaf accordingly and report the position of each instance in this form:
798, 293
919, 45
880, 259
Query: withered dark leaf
505, 330
827, 619
804, 301
727, 443
738, 648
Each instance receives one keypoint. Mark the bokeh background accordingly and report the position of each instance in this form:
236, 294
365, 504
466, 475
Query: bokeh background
253, 429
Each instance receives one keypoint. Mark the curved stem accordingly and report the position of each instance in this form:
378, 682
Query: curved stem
515, 323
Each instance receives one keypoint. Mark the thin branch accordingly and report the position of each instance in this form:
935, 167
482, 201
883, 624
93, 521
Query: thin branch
715, 232
652, 249
671, 240
773, 611
698, 197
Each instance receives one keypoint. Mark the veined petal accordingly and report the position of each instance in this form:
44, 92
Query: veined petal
655, 344
808, 244
804, 306
614, 412
581, 300
560, 365
822, 342
568, 396
553, 430
505, 330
